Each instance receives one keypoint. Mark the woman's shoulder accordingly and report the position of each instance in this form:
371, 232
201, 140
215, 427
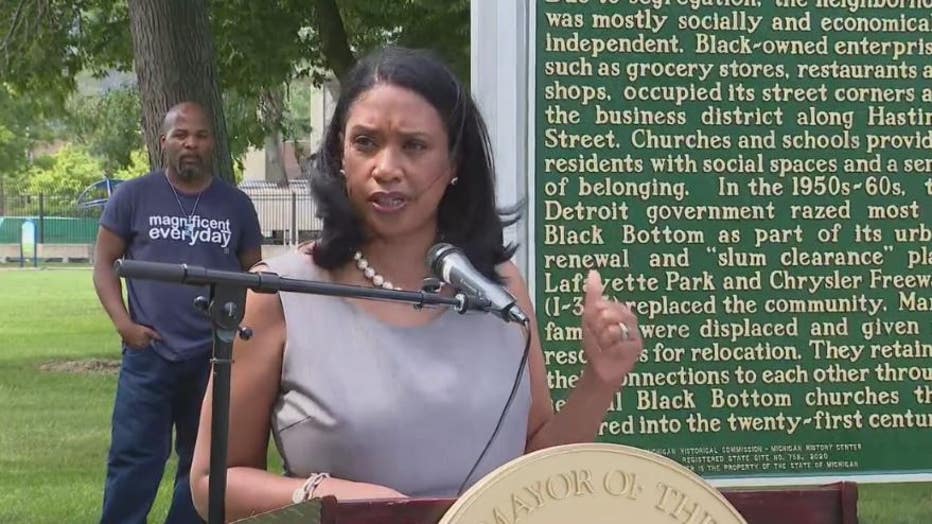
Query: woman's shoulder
295, 262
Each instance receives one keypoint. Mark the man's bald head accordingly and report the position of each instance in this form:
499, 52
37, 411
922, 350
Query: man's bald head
186, 110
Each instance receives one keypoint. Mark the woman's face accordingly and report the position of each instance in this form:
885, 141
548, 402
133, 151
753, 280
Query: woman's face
396, 161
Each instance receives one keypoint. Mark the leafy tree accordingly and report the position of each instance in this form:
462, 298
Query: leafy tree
23, 124
297, 106
257, 47
108, 125
441, 25
14, 142
43, 49
65, 174
138, 165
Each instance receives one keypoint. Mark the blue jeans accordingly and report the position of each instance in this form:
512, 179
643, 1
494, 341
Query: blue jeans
154, 395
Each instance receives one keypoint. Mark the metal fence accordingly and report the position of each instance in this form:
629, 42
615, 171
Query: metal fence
58, 220
287, 213
66, 231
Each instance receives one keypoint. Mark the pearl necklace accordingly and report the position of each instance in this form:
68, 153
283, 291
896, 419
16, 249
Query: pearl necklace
367, 270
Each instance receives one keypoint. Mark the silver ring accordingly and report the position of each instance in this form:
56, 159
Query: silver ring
625, 331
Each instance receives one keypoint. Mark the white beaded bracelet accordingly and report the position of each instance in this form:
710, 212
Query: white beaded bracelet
306, 491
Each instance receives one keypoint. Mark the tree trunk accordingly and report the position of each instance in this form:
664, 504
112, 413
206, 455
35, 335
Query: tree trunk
334, 43
271, 112
173, 50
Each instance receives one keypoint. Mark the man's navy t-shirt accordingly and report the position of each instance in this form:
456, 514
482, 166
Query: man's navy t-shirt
158, 227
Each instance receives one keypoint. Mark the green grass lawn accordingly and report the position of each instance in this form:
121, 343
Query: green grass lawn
55, 426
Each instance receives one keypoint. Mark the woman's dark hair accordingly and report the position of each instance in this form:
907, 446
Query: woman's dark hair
467, 215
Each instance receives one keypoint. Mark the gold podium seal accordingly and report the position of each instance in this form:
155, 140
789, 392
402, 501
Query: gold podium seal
592, 484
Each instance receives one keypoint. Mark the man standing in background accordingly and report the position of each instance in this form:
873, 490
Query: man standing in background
179, 214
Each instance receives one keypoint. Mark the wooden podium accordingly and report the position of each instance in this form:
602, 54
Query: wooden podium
829, 504
590, 484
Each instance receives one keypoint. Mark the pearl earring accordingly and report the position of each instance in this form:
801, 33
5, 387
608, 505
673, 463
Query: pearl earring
454, 181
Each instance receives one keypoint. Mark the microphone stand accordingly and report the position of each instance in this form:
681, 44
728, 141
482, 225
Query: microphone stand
226, 306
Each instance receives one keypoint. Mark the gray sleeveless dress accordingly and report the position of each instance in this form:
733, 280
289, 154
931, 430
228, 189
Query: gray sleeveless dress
406, 408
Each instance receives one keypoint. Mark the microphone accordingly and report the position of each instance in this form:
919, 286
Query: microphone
450, 264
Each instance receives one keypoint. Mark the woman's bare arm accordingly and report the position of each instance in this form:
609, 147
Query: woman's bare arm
255, 382
585, 409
